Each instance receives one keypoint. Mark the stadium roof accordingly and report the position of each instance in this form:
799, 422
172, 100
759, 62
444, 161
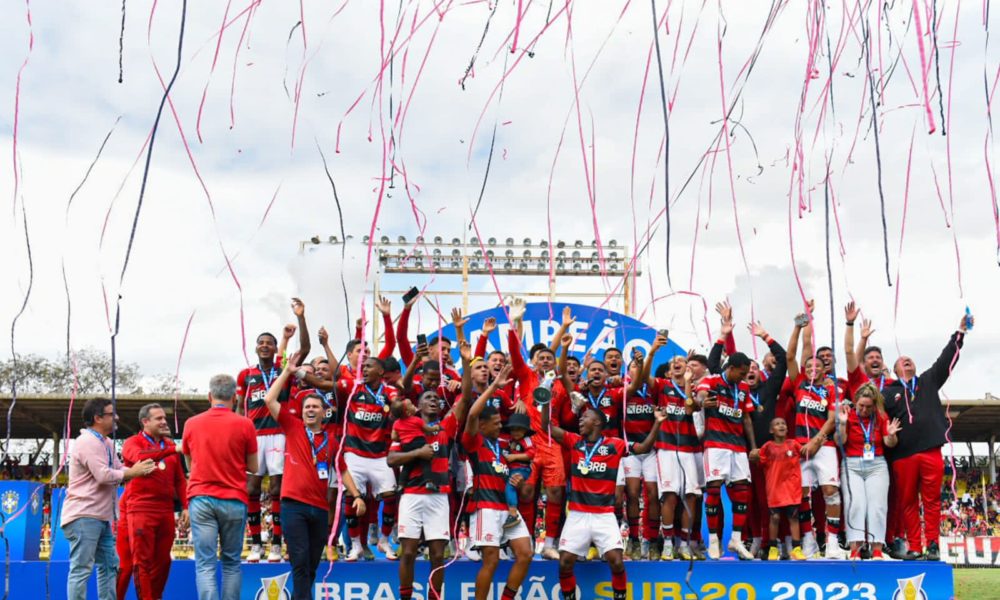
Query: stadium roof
44, 415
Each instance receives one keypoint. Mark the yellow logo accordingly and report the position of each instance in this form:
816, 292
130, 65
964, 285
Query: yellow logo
910, 588
273, 588
9, 501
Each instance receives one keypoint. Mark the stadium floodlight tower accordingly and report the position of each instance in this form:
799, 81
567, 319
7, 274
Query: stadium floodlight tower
467, 258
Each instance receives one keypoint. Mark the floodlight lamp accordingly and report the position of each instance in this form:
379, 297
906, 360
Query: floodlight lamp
613, 256
478, 253
527, 241
594, 256
596, 268
366, 239
402, 239
474, 265
560, 266
509, 253
613, 244
577, 267
385, 239
456, 265
474, 241
545, 253
527, 254
614, 267
508, 266
560, 244
438, 239
333, 239
576, 255
510, 241
492, 241
314, 239
541, 266
523, 267
456, 242
456, 252
544, 243
490, 254
420, 239
561, 255
437, 252
578, 244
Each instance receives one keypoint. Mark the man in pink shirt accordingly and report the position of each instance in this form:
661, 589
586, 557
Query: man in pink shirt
221, 448
94, 476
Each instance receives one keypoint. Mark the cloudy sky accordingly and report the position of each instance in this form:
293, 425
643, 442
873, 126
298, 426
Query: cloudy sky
577, 100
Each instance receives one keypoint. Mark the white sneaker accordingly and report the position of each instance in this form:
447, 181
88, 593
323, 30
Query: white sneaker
550, 553
385, 548
668, 552
714, 550
834, 551
256, 551
809, 546
736, 545
355, 554
644, 549
505, 554
684, 552
372, 534
755, 544
274, 555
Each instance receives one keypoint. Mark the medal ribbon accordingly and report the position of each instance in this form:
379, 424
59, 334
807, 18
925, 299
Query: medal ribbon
589, 454
596, 403
268, 378
103, 443
494, 448
377, 395
312, 444
153, 442
867, 431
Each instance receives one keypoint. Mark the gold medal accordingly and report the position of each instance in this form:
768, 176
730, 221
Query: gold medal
385, 408
823, 402
498, 467
161, 465
868, 447
584, 470
689, 402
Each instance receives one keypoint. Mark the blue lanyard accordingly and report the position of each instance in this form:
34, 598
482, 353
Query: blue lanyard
153, 442
596, 403
818, 390
377, 395
312, 444
108, 450
912, 386
267, 378
755, 398
495, 449
589, 454
679, 391
735, 390
867, 431
881, 382
642, 393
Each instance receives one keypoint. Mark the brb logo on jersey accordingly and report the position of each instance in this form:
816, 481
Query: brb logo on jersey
368, 416
729, 411
595, 467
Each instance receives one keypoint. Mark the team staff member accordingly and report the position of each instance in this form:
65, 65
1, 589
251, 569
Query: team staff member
151, 524
251, 386
220, 447
310, 465
594, 463
94, 476
917, 465
423, 509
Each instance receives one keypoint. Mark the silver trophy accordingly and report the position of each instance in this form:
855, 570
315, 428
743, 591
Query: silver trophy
543, 393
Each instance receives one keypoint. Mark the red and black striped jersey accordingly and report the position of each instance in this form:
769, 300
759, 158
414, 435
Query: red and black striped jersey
251, 388
609, 402
639, 418
368, 421
813, 404
724, 423
411, 438
593, 472
678, 431
490, 471
521, 446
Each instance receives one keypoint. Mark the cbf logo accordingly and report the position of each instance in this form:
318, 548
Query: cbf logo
273, 588
9, 501
910, 588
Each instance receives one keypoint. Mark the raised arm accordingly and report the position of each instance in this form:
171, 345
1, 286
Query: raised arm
851, 312
385, 307
515, 310
567, 320
402, 339
793, 346
305, 344
286, 334
565, 341
472, 421
411, 367
647, 365
274, 392
845, 413
489, 325
942, 367
807, 334
725, 340
866, 334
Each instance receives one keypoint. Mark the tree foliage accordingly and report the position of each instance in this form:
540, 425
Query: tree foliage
92, 374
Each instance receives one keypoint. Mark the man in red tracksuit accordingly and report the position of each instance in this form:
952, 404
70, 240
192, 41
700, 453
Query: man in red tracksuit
916, 461
151, 525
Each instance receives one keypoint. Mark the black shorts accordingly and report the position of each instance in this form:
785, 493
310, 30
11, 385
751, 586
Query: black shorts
788, 511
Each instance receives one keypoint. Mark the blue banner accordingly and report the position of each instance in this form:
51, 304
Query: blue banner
21, 507
595, 330
719, 580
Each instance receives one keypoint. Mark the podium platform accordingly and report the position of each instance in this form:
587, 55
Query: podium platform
713, 580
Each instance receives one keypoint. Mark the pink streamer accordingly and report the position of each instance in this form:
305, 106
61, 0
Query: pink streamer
17, 108
923, 66
177, 370
215, 60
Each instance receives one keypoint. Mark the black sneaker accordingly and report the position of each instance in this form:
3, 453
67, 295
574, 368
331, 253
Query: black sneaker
898, 549
933, 552
912, 555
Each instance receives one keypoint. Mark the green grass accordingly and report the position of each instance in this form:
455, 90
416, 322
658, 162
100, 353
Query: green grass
977, 584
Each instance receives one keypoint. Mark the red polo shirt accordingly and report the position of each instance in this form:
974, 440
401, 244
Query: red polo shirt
154, 492
218, 442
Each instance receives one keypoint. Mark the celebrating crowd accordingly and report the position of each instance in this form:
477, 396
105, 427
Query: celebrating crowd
421, 448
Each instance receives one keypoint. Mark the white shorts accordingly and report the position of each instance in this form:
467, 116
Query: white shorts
271, 453
425, 514
699, 459
462, 471
486, 528
582, 529
640, 466
726, 465
620, 477
372, 475
821, 468
678, 473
